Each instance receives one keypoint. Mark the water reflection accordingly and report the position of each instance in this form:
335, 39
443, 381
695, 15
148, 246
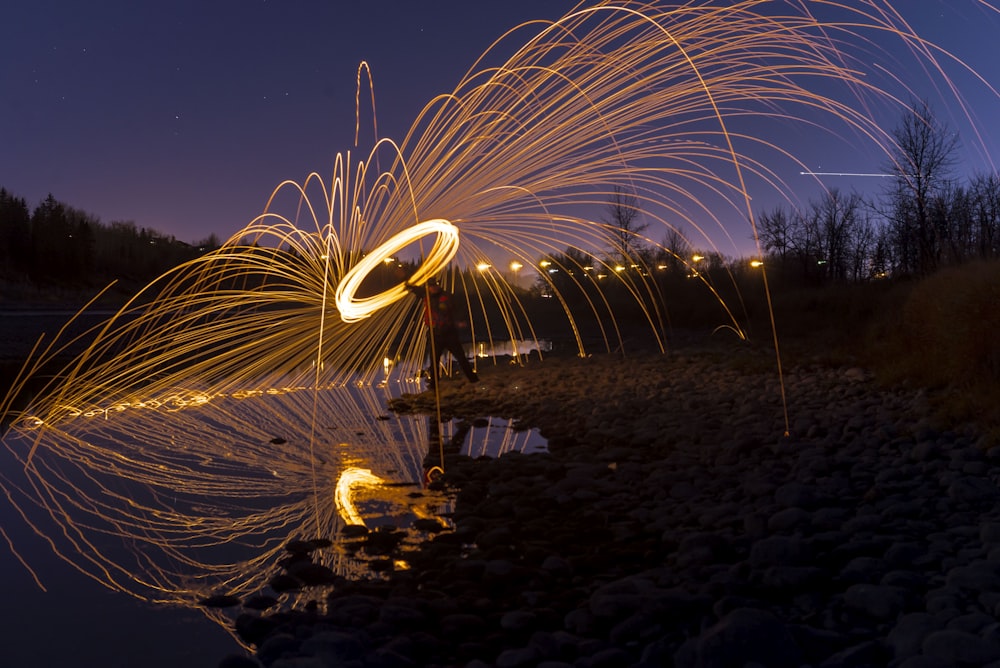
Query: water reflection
512, 348
172, 506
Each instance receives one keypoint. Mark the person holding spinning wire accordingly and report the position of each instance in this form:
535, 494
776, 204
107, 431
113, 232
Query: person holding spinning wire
438, 309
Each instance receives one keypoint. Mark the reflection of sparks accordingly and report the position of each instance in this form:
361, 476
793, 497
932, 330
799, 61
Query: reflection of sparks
211, 494
351, 478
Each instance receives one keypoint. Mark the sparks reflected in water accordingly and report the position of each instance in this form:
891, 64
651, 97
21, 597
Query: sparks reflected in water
350, 479
172, 505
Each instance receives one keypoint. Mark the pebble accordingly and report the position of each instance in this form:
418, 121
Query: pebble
674, 523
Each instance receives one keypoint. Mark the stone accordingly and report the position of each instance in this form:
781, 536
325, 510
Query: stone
977, 576
787, 519
299, 662
973, 489
778, 551
907, 636
333, 646
796, 494
517, 658
960, 647
743, 636
518, 620
877, 601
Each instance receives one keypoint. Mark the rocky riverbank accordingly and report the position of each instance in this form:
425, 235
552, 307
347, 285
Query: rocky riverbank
675, 523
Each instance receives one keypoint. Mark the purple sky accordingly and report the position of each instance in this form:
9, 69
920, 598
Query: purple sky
184, 116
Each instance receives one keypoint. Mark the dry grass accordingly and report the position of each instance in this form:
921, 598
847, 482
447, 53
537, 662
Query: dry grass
941, 333
944, 334
825, 324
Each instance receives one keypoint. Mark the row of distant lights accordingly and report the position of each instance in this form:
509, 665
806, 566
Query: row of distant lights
516, 266
547, 265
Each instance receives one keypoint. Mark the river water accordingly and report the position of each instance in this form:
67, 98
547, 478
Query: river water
264, 461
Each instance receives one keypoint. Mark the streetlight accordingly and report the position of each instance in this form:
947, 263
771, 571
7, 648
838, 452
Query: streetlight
696, 258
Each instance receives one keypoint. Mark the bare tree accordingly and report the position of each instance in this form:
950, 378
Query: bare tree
775, 231
985, 204
623, 217
923, 156
862, 247
675, 251
837, 224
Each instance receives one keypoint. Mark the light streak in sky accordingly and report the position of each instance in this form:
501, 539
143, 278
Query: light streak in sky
515, 164
846, 174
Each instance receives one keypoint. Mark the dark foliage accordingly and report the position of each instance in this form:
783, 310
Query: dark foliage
924, 221
58, 245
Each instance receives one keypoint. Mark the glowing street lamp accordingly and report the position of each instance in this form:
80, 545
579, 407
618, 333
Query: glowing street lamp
483, 266
515, 266
756, 263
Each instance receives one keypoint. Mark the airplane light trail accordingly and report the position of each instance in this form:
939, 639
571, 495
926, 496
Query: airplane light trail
845, 174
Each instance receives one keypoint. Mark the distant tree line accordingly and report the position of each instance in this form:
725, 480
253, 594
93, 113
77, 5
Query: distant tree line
56, 244
925, 219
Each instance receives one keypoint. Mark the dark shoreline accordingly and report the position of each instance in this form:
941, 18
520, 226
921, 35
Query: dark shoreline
673, 523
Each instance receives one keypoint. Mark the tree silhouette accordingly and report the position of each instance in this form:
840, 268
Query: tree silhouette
922, 160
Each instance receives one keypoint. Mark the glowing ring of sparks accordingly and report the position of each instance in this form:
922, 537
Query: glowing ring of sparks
445, 248
350, 478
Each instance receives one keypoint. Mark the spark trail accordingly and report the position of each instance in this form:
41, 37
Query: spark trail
658, 101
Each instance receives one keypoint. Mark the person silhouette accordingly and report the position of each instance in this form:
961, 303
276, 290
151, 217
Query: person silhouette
438, 314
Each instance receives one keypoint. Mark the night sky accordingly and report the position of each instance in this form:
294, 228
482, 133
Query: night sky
184, 116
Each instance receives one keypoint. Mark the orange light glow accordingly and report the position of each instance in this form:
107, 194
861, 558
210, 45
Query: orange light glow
444, 249
517, 161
